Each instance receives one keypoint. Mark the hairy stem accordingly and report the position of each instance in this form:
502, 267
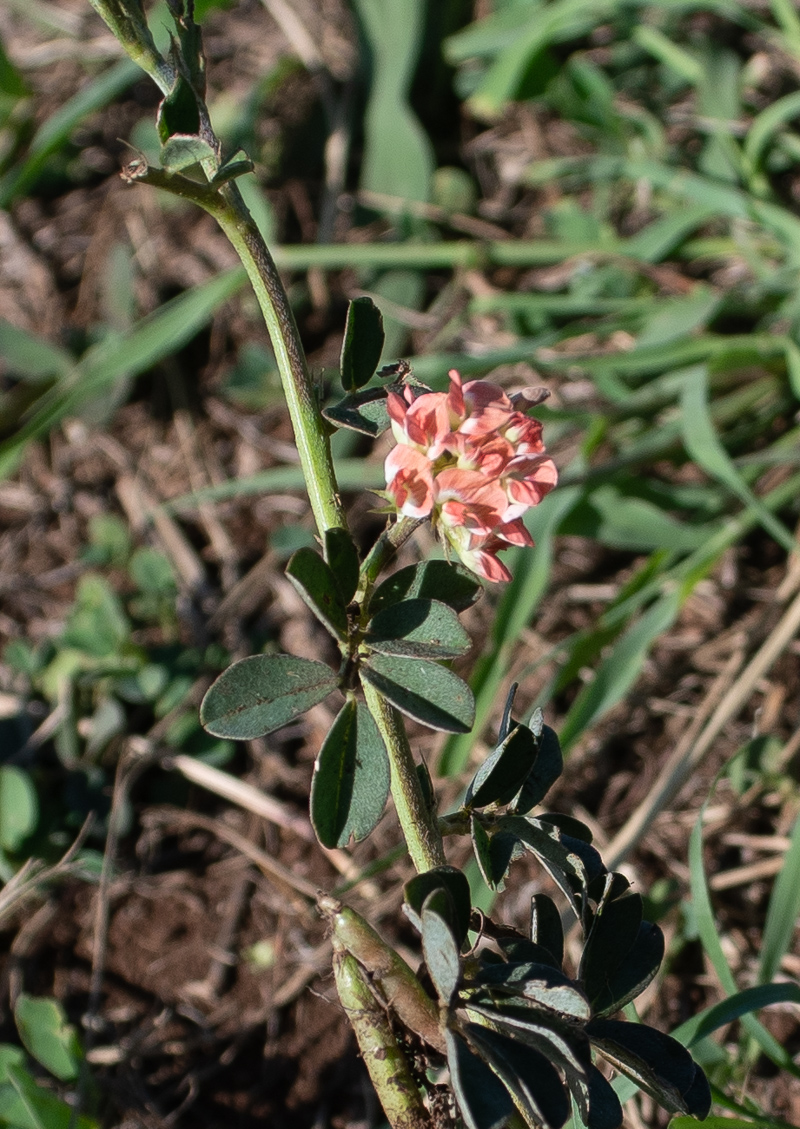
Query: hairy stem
225, 204
418, 821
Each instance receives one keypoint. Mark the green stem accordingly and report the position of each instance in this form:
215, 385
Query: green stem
418, 822
225, 204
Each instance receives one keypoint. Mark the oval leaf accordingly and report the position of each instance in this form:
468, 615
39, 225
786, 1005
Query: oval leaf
365, 412
262, 693
351, 778
448, 878
542, 984
546, 770
451, 584
429, 693
547, 929
499, 778
482, 1098
46, 1035
342, 556
439, 945
420, 629
362, 345
19, 807
530, 1078
318, 588
656, 1062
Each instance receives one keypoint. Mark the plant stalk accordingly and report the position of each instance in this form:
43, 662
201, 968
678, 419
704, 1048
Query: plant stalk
225, 204
419, 824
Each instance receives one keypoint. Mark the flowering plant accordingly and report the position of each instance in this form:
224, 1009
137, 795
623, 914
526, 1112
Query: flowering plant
519, 1035
471, 461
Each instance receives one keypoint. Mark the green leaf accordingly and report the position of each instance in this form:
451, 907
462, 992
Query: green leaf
181, 151
605, 1111
429, 693
783, 911
26, 1105
546, 927
558, 1039
620, 669
656, 1062
529, 1077
482, 848
362, 345
97, 623
19, 808
178, 112
316, 584
424, 629
364, 412
29, 357
483, 1100
733, 1008
342, 556
448, 878
351, 778
499, 778
439, 946
705, 447
547, 768
451, 584
263, 693
152, 572
572, 863
543, 985
397, 157
46, 1035
622, 953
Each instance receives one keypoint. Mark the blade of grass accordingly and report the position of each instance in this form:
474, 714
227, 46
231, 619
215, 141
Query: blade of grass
783, 911
703, 444
712, 945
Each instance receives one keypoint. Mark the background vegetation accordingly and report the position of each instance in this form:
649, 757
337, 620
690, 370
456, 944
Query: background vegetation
598, 198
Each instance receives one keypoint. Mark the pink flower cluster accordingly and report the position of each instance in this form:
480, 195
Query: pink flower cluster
473, 463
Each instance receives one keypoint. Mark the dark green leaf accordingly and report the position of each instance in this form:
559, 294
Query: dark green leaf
503, 849
362, 345
26, 1105
351, 778
419, 629
439, 944
519, 949
533, 1082
542, 984
481, 845
482, 1099
364, 412
506, 725
429, 693
558, 1039
622, 953
263, 693
452, 584
597, 1102
448, 878
499, 778
547, 768
546, 927
572, 863
178, 112
656, 1062
181, 151
317, 585
237, 165
342, 556
568, 824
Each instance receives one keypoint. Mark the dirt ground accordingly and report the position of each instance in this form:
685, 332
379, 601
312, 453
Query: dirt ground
215, 1005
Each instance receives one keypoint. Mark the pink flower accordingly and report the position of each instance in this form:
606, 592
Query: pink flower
471, 462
